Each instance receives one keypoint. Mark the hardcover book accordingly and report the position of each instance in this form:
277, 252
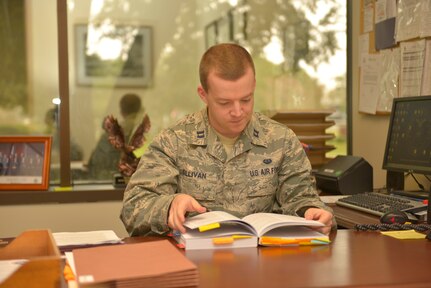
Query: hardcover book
219, 229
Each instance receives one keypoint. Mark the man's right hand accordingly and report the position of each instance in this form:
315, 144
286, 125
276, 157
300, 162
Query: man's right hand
182, 204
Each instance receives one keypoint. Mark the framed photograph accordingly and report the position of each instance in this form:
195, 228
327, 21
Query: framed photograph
120, 56
24, 162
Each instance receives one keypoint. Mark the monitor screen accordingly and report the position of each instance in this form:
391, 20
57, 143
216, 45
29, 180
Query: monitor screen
408, 146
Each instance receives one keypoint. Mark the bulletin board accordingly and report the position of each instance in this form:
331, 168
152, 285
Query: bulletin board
394, 52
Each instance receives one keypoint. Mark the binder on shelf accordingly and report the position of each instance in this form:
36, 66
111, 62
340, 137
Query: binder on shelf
41, 265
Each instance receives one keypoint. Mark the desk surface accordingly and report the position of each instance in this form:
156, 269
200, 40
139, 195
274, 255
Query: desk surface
359, 259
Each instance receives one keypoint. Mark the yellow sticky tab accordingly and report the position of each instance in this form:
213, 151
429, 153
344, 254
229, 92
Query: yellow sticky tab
223, 240
139, 151
209, 227
404, 234
235, 237
67, 188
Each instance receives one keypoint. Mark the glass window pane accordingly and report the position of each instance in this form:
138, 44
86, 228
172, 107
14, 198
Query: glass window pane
152, 49
29, 71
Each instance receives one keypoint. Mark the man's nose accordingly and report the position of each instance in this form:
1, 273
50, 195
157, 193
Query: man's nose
236, 109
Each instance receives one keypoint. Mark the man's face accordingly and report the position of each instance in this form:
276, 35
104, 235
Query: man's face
230, 103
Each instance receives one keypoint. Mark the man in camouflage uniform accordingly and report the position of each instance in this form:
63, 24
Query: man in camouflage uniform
225, 157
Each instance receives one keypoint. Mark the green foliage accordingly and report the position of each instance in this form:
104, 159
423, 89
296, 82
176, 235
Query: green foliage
13, 81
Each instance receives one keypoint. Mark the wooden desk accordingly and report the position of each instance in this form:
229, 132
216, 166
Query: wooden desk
359, 259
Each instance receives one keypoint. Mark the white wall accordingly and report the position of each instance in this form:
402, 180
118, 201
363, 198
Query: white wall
61, 218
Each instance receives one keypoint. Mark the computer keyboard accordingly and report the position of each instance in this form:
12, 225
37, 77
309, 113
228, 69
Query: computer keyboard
378, 204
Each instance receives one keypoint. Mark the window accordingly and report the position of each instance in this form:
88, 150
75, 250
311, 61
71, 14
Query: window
151, 49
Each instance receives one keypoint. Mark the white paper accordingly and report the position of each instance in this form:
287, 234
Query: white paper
331, 199
369, 83
426, 77
381, 11
364, 44
8, 267
368, 19
86, 238
389, 78
425, 29
408, 19
412, 62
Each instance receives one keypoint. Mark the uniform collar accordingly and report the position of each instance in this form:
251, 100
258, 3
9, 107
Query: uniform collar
200, 133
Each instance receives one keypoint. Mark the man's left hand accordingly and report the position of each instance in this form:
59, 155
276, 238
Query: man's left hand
322, 216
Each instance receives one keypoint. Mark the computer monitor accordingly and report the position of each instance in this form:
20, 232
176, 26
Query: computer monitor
408, 144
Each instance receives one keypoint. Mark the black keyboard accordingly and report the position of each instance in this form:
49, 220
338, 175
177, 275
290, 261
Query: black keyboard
378, 204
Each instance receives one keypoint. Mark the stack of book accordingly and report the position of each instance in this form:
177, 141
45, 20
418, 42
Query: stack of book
148, 264
219, 229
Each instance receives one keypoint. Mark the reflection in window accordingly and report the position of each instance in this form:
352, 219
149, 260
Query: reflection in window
299, 48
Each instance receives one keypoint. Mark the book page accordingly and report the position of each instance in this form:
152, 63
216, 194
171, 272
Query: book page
209, 218
298, 232
263, 222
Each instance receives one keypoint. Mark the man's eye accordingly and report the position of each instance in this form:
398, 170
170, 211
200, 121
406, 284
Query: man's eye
246, 100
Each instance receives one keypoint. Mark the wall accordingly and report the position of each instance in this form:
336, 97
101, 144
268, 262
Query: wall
61, 218
369, 131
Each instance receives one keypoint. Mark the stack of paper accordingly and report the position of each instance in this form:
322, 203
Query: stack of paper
149, 264
66, 241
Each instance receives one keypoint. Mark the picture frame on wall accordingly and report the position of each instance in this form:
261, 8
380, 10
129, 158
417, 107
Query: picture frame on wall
118, 56
25, 162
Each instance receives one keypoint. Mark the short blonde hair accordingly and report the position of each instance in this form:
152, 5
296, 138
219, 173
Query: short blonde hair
228, 61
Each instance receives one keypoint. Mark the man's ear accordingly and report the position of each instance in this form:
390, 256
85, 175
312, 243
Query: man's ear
202, 94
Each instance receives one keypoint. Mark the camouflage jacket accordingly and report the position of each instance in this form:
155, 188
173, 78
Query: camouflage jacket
268, 172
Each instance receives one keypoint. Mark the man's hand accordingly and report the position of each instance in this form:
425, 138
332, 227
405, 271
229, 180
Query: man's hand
322, 216
182, 204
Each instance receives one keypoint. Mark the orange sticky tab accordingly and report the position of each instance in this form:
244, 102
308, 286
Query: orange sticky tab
68, 273
278, 241
209, 227
223, 240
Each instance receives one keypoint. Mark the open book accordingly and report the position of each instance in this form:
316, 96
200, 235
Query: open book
219, 229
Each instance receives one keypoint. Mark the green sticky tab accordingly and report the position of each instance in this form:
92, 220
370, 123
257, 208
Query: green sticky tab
139, 152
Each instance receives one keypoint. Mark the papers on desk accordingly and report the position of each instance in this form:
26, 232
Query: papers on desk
63, 239
148, 264
330, 199
8, 267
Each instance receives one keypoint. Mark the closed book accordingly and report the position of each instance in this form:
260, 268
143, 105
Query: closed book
219, 229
